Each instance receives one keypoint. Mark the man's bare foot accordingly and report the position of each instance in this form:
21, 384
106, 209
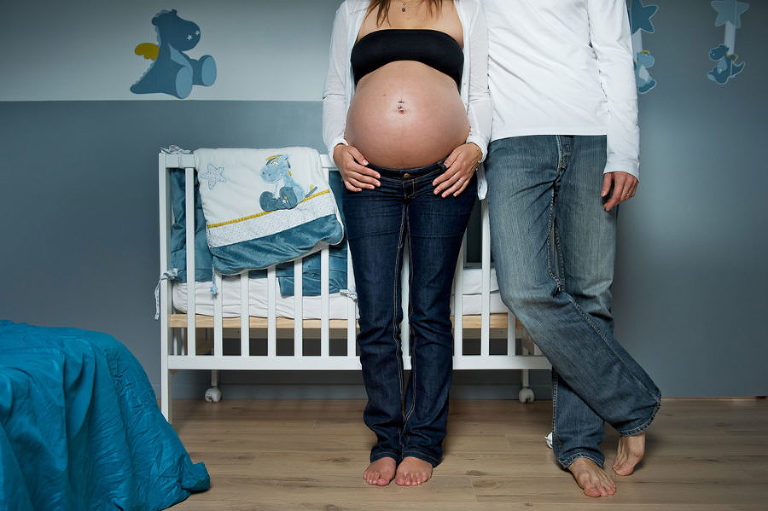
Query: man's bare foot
631, 451
591, 478
413, 472
380, 472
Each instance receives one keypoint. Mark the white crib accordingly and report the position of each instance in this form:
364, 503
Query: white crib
186, 336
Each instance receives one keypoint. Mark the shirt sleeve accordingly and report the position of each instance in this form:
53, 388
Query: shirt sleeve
334, 95
611, 40
479, 109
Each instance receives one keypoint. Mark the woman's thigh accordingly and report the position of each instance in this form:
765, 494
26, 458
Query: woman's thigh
375, 223
436, 228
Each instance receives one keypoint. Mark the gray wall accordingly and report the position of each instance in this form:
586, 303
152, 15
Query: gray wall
79, 217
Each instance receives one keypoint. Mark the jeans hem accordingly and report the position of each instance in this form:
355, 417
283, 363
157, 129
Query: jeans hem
580, 454
422, 456
385, 454
645, 425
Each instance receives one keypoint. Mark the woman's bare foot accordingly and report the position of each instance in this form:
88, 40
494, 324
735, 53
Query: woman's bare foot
413, 472
380, 472
591, 478
631, 451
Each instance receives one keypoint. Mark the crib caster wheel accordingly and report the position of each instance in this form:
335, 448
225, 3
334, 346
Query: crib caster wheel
213, 395
526, 395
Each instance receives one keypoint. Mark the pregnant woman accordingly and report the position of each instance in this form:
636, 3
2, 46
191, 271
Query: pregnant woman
406, 116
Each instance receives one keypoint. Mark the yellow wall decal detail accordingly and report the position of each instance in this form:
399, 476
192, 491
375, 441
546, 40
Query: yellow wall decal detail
147, 50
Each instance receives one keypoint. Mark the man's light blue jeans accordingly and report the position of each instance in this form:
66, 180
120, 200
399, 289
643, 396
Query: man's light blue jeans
554, 247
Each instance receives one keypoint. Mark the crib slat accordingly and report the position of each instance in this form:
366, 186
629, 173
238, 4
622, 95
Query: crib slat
511, 334
458, 303
298, 309
271, 313
218, 314
325, 303
244, 315
485, 338
165, 302
189, 197
351, 310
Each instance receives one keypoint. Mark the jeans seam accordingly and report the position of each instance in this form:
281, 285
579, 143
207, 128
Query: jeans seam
560, 262
411, 346
549, 236
396, 285
555, 438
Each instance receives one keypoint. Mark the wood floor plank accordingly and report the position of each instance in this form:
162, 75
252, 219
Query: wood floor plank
703, 455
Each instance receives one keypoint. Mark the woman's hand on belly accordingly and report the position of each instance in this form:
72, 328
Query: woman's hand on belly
460, 165
352, 165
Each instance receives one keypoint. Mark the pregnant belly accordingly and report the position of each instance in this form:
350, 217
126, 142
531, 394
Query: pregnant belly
406, 114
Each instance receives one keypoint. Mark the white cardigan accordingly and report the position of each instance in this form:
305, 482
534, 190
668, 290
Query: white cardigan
340, 85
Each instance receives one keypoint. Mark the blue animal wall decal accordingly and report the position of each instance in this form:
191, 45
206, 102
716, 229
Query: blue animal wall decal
173, 72
640, 21
288, 193
727, 63
643, 61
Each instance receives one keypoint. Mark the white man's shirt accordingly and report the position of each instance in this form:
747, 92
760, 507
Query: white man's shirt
564, 67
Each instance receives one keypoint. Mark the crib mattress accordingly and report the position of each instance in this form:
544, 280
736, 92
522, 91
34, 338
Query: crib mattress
311, 305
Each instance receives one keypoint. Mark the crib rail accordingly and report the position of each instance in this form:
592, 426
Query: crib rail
181, 349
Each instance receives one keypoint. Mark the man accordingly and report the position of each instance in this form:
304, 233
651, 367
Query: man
563, 155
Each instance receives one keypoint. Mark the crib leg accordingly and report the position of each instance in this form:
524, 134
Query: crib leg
213, 394
166, 401
526, 394
168, 337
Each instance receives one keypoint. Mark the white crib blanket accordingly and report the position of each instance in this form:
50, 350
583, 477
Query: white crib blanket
265, 206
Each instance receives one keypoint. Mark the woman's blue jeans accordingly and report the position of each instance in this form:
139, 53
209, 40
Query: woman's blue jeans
554, 247
408, 420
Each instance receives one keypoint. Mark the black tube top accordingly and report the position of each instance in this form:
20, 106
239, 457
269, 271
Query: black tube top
431, 47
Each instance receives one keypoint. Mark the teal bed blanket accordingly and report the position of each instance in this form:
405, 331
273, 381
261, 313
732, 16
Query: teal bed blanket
80, 427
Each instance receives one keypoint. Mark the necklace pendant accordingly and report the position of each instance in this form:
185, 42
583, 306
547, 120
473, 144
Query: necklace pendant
403, 9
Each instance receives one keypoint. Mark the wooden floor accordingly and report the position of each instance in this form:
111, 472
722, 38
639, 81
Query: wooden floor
309, 455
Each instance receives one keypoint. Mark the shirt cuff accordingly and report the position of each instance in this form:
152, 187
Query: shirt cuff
479, 143
336, 141
628, 166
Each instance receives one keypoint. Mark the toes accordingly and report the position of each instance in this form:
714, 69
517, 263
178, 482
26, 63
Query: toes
592, 491
379, 473
591, 479
372, 477
607, 488
413, 472
598, 488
